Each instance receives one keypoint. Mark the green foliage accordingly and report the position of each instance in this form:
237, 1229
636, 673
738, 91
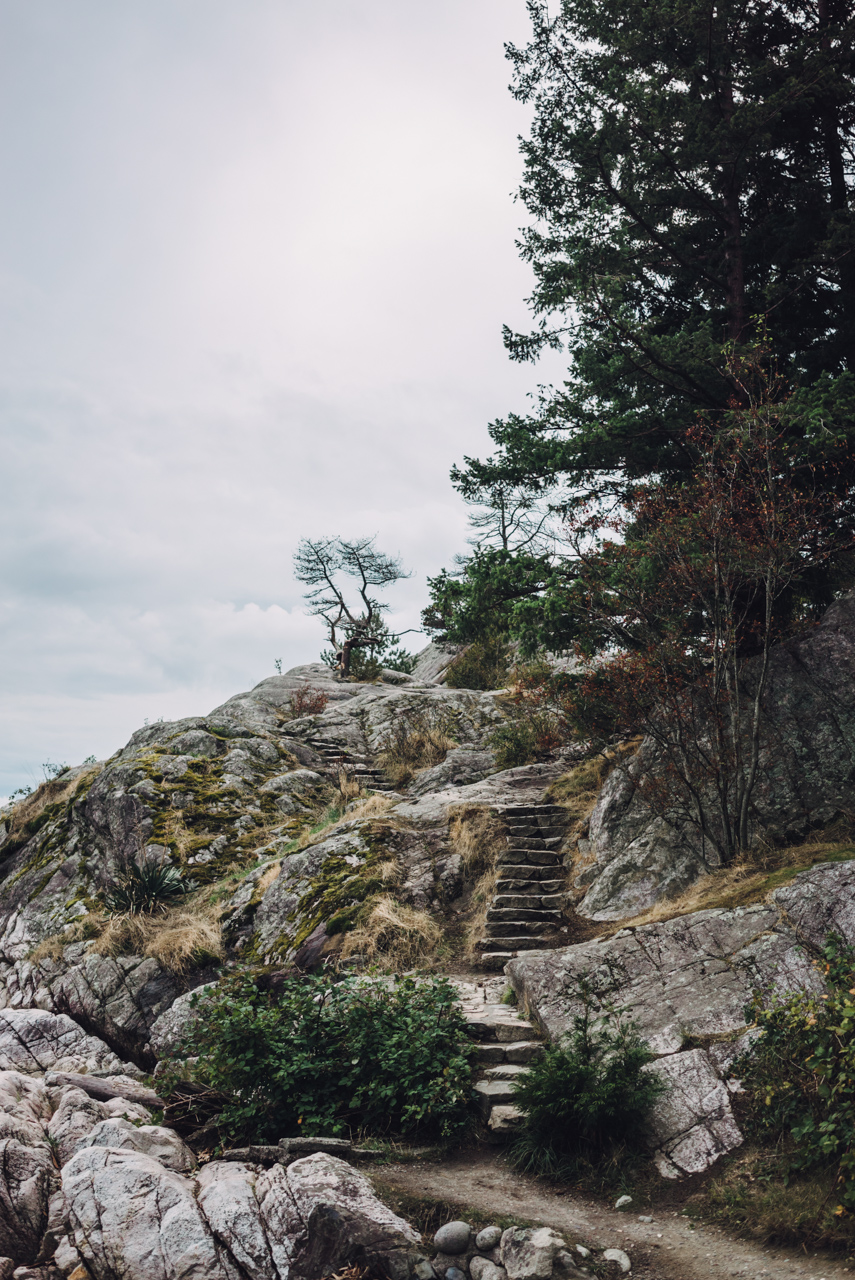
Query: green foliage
484, 665
325, 1056
800, 1074
145, 889
587, 1099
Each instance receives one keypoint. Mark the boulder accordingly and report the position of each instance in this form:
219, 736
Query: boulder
25, 1108
806, 778
128, 1216
169, 1029
27, 1180
75, 1117
151, 1140
35, 1041
528, 1253
691, 1124
691, 978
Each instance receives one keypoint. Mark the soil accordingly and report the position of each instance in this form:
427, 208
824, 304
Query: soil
671, 1247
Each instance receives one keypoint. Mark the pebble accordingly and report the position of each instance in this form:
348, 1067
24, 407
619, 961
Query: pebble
622, 1201
454, 1273
488, 1238
582, 1251
644, 1217
453, 1237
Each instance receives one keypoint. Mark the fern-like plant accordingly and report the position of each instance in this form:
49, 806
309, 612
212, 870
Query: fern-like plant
143, 890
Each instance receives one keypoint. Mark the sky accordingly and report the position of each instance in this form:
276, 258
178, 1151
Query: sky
254, 263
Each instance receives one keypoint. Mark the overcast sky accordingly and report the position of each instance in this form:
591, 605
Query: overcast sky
255, 259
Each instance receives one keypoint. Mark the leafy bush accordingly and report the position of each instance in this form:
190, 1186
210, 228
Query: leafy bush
331, 1057
145, 889
586, 1100
306, 701
483, 665
800, 1073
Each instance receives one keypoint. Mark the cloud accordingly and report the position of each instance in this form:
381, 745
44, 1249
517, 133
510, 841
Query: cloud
254, 262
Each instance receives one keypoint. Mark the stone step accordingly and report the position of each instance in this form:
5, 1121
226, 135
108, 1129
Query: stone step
527, 871
533, 842
498, 930
509, 1071
488, 1093
537, 887
495, 961
511, 810
498, 1023
521, 942
505, 1122
533, 914
518, 1051
540, 857
552, 902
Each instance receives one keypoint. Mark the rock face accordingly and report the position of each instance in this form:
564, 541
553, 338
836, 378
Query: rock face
129, 1216
690, 979
806, 778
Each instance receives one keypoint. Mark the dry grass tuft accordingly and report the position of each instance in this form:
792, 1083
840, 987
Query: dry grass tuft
176, 939
50, 948
478, 834
393, 937
417, 740
266, 880
745, 882
54, 791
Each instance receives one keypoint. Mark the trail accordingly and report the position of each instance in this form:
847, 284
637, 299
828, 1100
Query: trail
668, 1248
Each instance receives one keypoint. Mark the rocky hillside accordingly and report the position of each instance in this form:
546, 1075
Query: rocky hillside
310, 818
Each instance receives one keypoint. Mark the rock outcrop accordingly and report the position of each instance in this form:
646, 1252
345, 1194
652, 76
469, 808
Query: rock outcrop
806, 778
687, 982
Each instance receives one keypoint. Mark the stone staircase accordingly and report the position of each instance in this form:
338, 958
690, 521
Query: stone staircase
530, 895
507, 1043
336, 760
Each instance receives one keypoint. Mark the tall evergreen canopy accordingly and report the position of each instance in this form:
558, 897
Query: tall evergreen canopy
689, 173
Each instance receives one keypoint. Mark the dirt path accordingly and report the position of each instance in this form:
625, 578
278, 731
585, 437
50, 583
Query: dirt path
666, 1249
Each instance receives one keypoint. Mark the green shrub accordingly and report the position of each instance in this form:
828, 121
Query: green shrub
586, 1100
321, 1056
145, 889
484, 665
800, 1073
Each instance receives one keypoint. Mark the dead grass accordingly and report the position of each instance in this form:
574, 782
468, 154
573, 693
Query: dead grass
577, 791
746, 882
416, 741
371, 807
393, 937
53, 791
478, 834
176, 939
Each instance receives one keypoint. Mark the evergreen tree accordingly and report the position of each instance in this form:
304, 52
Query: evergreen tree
689, 169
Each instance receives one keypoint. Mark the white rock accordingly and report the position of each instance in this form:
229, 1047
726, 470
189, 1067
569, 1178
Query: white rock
74, 1119
528, 1253
623, 1201
24, 1108
66, 1256
618, 1256
130, 1217
484, 1269
34, 1041
227, 1198
692, 1123
149, 1139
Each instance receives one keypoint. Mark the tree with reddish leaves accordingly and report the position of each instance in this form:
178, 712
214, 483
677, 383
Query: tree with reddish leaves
681, 587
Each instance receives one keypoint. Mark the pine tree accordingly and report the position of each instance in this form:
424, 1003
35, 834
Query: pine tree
689, 171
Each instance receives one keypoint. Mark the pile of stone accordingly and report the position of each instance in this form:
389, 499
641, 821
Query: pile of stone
518, 1253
